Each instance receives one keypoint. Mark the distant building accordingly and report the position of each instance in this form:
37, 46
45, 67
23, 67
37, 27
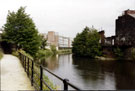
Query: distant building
59, 41
125, 31
102, 37
52, 38
125, 28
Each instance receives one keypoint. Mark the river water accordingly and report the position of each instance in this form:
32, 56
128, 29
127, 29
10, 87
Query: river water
89, 74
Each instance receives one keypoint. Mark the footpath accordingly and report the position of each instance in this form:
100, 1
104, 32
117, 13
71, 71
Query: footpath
13, 76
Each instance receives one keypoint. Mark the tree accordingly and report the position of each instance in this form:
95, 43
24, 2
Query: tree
87, 43
43, 42
20, 30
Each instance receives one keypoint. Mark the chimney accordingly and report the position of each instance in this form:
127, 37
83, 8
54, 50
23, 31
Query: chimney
129, 12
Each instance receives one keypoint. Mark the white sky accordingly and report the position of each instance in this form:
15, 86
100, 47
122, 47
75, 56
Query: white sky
68, 17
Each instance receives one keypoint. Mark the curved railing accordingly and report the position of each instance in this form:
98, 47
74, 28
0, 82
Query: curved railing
30, 68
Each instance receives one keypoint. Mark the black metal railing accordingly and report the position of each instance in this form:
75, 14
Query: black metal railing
31, 68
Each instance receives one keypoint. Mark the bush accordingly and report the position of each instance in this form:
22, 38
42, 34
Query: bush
26, 54
42, 54
118, 52
15, 53
53, 49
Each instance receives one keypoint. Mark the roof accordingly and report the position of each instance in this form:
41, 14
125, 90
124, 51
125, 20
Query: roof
130, 12
133, 15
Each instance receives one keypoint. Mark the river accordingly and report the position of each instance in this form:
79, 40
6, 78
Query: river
89, 74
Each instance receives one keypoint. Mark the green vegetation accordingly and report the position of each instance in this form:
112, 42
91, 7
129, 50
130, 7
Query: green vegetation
43, 42
86, 43
64, 51
118, 52
42, 54
16, 53
21, 31
133, 53
53, 49
45, 78
1, 54
36, 69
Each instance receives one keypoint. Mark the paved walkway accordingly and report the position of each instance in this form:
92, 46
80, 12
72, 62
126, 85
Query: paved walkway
12, 75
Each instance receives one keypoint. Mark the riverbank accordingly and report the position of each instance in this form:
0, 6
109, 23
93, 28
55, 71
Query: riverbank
113, 59
64, 51
105, 58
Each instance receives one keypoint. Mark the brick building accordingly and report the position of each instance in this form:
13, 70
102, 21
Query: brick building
125, 29
52, 38
59, 41
102, 37
124, 33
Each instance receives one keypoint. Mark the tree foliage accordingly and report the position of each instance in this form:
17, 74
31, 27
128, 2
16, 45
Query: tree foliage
53, 49
86, 43
118, 52
20, 30
133, 53
43, 42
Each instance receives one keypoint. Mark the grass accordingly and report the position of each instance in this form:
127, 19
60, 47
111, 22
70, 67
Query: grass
37, 78
16, 53
42, 54
64, 51
45, 78
1, 54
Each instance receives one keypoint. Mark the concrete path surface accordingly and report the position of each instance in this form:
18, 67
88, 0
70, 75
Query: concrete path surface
13, 76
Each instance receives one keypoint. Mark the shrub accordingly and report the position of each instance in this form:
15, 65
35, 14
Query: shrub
15, 53
42, 54
118, 52
53, 49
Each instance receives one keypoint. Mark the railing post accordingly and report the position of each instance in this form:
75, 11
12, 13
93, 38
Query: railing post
32, 68
23, 60
65, 84
25, 64
28, 67
19, 55
41, 78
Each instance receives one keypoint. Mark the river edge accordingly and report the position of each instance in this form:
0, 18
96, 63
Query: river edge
113, 59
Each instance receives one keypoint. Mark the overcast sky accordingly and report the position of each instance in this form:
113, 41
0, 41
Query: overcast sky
68, 17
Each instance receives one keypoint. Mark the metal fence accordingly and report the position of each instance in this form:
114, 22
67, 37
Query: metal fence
30, 68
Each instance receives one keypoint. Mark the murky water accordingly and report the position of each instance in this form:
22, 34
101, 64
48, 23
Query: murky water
89, 74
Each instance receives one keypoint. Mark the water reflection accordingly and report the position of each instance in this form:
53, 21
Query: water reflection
93, 74
125, 75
